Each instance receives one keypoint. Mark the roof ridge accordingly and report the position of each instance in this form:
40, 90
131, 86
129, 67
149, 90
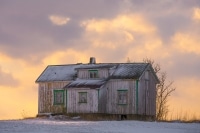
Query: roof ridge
98, 63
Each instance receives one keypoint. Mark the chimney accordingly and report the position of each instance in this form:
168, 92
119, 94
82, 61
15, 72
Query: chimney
92, 60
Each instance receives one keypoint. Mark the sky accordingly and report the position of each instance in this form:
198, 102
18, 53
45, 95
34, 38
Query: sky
34, 34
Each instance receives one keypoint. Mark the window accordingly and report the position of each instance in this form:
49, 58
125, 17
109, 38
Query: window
122, 96
82, 97
93, 73
58, 97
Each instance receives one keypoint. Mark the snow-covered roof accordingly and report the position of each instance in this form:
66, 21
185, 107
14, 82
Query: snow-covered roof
69, 72
92, 83
129, 70
57, 73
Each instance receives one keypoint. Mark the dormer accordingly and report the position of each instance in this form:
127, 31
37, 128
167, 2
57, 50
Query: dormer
92, 72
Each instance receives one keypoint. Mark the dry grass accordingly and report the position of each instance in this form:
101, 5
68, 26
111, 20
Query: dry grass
183, 116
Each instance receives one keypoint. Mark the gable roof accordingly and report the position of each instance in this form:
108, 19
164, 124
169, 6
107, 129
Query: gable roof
69, 72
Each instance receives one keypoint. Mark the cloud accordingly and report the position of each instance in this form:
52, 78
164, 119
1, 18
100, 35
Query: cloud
196, 14
59, 20
186, 42
6, 79
66, 55
124, 22
120, 34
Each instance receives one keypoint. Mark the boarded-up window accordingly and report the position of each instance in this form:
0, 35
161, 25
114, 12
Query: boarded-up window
93, 73
58, 97
122, 96
82, 97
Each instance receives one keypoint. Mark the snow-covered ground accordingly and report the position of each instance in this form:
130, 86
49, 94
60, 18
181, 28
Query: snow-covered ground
56, 126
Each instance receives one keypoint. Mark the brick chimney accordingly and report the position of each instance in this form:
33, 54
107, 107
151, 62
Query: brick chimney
92, 60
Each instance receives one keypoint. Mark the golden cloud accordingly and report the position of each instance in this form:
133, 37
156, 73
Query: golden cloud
150, 48
121, 32
124, 22
59, 20
196, 14
187, 43
66, 56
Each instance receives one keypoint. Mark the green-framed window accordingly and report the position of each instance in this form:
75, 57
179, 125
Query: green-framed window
122, 97
82, 97
58, 97
93, 73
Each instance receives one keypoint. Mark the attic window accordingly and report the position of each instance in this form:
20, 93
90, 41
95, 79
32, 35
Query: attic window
58, 97
122, 97
93, 73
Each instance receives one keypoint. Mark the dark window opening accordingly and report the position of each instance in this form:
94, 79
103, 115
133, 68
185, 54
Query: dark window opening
122, 97
93, 73
58, 97
82, 97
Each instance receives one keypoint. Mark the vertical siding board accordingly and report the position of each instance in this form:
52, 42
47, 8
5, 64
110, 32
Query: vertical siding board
141, 96
152, 95
130, 97
102, 102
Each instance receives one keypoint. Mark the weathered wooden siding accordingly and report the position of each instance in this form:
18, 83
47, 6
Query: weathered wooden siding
152, 93
84, 73
112, 103
45, 97
73, 105
102, 99
147, 94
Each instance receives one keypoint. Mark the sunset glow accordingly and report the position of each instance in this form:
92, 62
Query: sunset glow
40, 33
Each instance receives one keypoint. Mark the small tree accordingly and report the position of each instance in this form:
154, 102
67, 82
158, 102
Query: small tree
163, 90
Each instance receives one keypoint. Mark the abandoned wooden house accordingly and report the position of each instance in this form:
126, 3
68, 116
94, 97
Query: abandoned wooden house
120, 89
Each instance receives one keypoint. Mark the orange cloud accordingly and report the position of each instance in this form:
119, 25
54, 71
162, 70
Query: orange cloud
66, 56
185, 42
196, 14
59, 20
124, 22
129, 32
